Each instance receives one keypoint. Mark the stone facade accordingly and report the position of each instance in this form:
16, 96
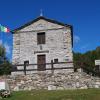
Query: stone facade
58, 43
58, 46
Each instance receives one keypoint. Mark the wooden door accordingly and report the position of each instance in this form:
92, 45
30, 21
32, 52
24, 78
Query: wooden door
41, 61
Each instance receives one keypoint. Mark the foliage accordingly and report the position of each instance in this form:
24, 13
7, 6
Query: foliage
2, 51
87, 60
88, 94
5, 66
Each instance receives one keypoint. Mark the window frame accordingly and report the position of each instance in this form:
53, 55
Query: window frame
26, 62
41, 38
56, 60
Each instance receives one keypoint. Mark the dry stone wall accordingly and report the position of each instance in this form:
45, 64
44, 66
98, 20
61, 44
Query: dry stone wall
56, 81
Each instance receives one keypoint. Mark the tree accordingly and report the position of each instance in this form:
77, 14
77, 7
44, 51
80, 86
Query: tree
2, 54
77, 59
5, 66
87, 60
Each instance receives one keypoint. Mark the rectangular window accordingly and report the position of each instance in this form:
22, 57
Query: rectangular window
55, 60
26, 62
41, 38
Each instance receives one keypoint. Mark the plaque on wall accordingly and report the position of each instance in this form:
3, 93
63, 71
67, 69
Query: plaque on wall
46, 51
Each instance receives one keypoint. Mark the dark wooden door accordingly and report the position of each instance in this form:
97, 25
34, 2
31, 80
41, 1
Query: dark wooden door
41, 62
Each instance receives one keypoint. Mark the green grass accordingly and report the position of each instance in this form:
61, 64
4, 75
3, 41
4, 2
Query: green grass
89, 94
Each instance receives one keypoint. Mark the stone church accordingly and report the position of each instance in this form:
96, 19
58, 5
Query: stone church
41, 41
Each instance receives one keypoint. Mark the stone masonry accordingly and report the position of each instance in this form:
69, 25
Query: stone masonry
58, 43
58, 81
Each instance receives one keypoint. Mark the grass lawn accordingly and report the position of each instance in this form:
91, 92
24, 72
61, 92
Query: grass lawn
89, 94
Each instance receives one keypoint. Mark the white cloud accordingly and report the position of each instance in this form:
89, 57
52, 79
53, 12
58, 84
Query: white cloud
7, 47
76, 39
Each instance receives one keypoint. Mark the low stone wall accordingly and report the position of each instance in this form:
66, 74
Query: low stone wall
55, 81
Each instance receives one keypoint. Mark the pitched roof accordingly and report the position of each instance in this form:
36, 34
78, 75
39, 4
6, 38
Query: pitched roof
38, 18
49, 20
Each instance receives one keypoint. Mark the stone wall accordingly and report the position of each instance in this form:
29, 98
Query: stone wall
56, 81
58, 43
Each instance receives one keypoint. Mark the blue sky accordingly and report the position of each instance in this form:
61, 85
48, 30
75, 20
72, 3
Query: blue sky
84, 15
